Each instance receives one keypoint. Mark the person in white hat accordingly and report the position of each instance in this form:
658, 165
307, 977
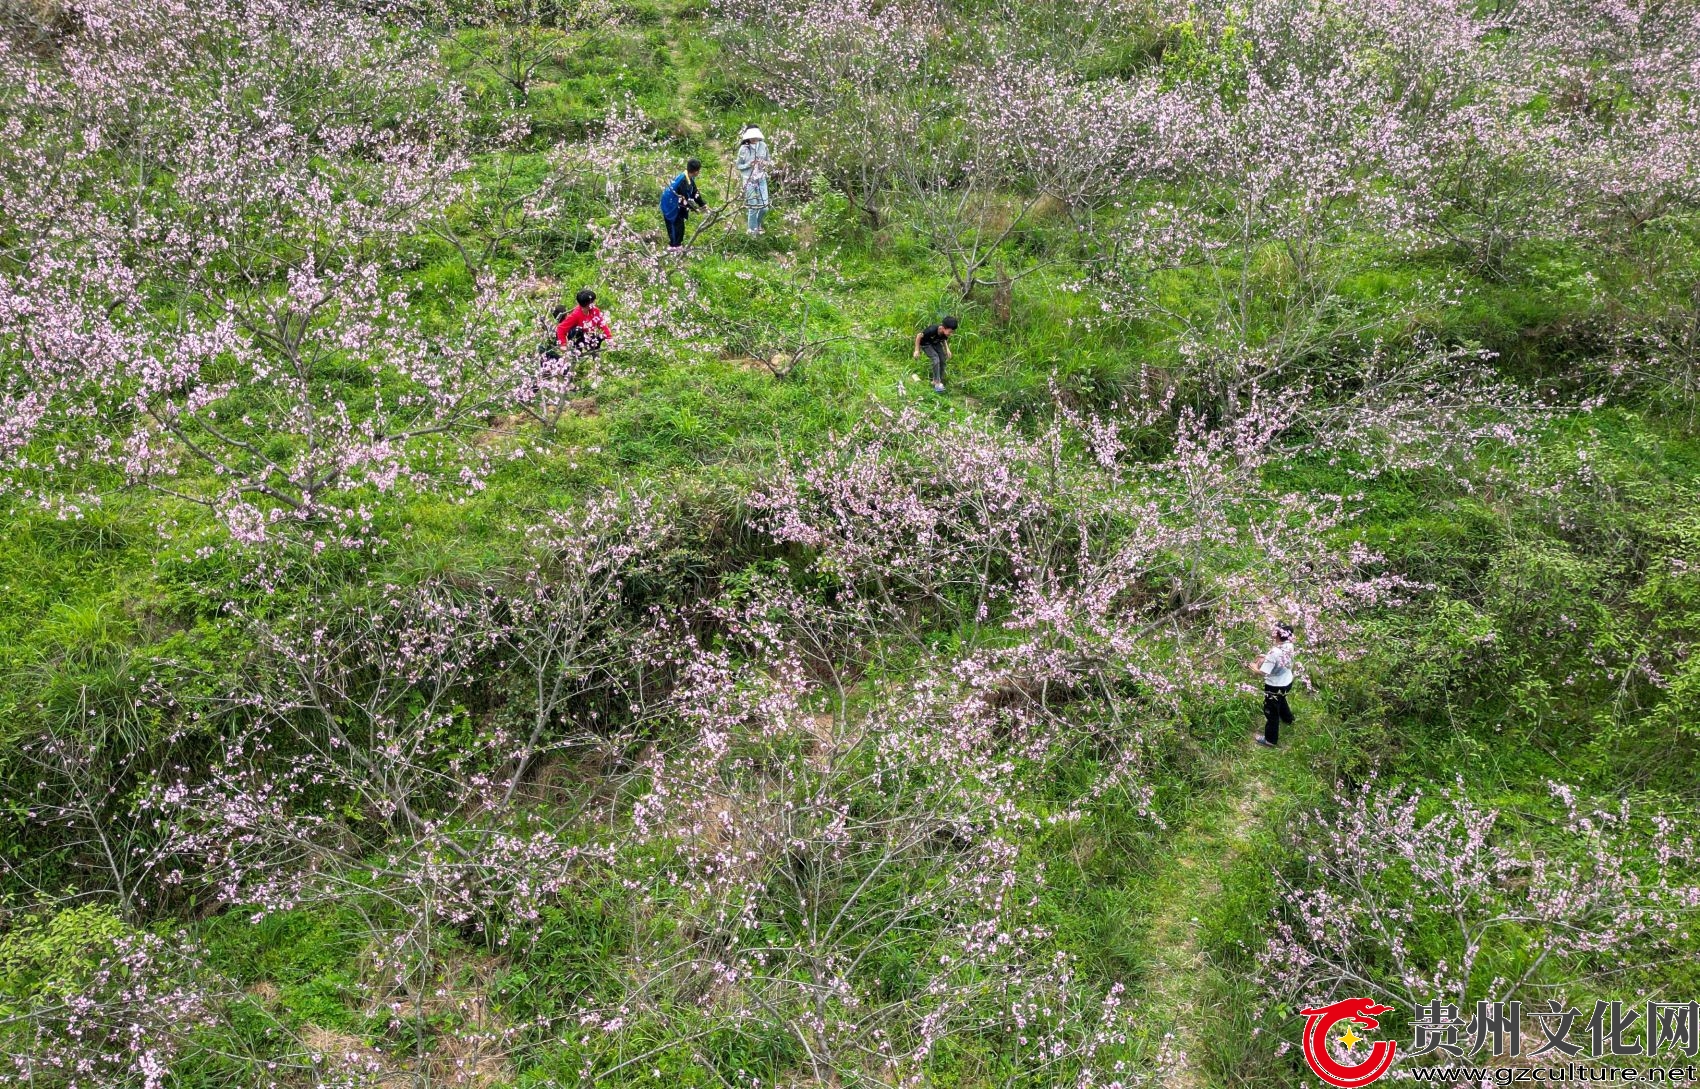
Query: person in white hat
752, 163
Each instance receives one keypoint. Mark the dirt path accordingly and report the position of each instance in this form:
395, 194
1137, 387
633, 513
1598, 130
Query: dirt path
685, 94
1203, 849
719, 180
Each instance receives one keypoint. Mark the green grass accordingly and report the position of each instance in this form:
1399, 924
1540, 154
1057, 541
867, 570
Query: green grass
1469, 681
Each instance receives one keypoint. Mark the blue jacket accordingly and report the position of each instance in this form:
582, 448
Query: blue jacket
680, 192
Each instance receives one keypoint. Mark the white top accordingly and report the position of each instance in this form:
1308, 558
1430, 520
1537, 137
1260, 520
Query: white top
752, 161
1278, 664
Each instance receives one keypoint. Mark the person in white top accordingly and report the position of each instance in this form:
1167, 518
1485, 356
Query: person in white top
752, 164
1276, 667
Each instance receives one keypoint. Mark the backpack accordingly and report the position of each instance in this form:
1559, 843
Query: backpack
670, 206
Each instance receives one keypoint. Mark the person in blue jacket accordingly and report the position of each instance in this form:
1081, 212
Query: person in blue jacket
676, 201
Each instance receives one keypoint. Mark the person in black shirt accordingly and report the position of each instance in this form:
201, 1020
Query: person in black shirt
935, 341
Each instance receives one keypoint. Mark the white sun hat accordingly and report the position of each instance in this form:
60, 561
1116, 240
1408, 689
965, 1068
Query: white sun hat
752, 133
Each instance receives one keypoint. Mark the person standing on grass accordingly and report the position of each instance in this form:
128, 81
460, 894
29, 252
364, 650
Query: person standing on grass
585, 330
1276, 667
934, 340
752, 165
676, 201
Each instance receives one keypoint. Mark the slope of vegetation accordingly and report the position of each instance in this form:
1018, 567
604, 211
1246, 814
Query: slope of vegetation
384, 704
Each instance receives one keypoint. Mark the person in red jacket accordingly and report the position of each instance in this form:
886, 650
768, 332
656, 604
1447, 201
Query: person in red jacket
584, 330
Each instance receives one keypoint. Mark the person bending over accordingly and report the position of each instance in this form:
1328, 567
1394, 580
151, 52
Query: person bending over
584, 330
676, 201
934, 340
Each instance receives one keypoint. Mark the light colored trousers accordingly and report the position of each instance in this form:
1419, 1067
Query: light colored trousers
755, 202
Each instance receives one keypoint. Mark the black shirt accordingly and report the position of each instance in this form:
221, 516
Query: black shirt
932, 335
687, 191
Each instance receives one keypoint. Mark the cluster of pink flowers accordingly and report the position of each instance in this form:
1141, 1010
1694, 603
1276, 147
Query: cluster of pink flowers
794, 826
858, 71
119, 1011
214, 201
1068, 536
356, 775
1267, 147
806, 826
1403, 898
802, 832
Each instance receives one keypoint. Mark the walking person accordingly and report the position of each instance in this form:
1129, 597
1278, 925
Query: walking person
584, 331
676, 201
1276, 667
934, 340
752, 164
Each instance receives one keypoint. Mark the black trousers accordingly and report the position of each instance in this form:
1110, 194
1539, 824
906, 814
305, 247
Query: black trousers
676, 230
935, 352
1275, 711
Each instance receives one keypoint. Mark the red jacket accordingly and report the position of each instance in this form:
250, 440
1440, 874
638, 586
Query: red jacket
580, 316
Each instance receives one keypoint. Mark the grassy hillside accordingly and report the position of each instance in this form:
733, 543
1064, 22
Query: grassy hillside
761, 717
